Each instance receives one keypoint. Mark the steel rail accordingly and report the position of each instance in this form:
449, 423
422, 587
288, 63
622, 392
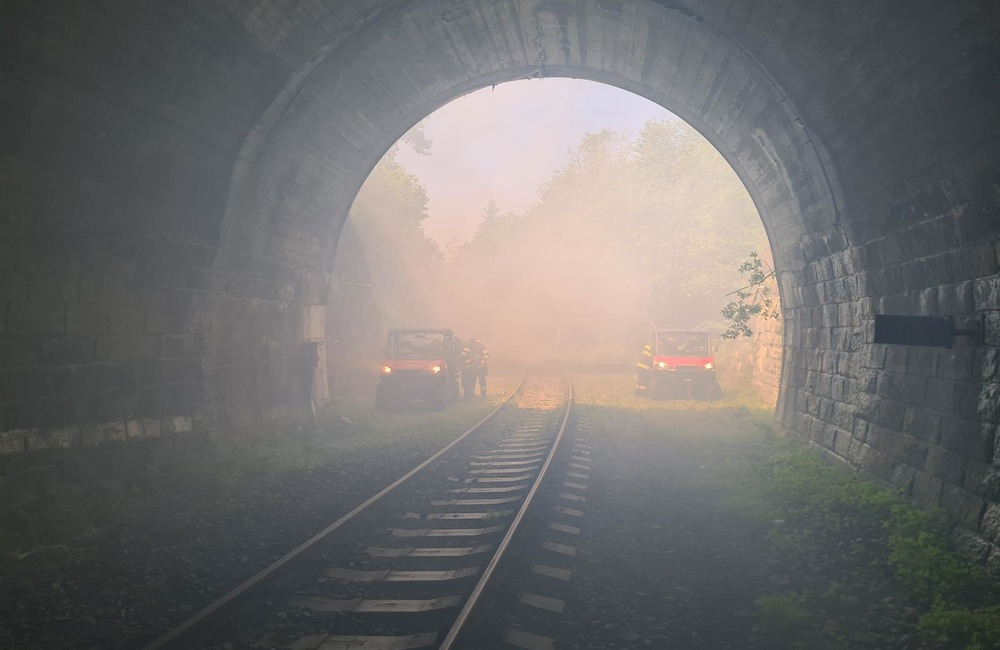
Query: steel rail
214, 614
470, 603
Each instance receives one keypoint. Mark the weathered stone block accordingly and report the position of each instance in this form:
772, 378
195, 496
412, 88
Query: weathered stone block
162, 321
992, 331
963, 436
12, 444
902, 478
993, 561
66, 350
922, 423
86, 318
922, 362
42, 317
63, 438
990, 528
842, 415
967, 399
956, 363
940, 395
176, 424
926, 302
908, 449
123, 347
990, 364
988, 407
98, 377
118, 403
946, 465
954, 299
975, 474
859, 429
891, 414
48, 286
102, 433
969, 544
908, 389
127, 319
895, 357
842, 444
867, 406
103, 290
927, 489
987, 293
183, 346
141, 429
54, 410
991, 483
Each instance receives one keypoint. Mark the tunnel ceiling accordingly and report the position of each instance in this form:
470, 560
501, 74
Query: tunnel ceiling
176, 175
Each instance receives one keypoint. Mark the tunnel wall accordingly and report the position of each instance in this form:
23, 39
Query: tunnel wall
179, 173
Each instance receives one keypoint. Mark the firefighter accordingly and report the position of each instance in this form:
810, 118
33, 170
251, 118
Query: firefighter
644, 366
470, 372
480, 360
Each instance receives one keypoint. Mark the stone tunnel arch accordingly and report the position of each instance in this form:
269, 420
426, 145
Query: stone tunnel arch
760, 134
176, 187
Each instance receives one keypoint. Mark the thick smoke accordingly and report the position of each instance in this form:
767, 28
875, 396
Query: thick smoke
633, 230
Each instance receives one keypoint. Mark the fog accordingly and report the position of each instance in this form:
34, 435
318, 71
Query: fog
635, 228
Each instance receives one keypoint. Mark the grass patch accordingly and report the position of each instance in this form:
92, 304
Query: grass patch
788, 482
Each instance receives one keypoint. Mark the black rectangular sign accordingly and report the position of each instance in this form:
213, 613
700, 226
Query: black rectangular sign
914, 330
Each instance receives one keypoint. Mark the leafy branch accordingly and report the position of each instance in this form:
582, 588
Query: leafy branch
758, 297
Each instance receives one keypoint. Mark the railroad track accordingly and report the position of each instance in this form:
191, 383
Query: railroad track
407, 568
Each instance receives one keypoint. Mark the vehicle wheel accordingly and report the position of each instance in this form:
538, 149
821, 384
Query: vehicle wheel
713, 392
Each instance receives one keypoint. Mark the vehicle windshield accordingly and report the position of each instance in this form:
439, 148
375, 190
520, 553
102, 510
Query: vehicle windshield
682, 344
415, 345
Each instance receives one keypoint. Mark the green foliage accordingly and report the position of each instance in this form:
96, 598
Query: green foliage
388, 214
759, 297
782, 611
791, 482
977, 628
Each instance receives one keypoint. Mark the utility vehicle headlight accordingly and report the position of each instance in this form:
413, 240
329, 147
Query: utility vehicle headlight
435, 370
386, 370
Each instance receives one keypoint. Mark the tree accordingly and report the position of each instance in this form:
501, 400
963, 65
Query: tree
758, 298
492, 209
405, 265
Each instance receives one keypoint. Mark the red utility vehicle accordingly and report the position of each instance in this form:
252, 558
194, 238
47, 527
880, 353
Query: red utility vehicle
419, 364
683, 365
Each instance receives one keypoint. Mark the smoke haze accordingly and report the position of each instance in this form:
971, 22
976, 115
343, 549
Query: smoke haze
635, 227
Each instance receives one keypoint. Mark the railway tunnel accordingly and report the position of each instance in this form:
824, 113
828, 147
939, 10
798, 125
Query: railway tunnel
176, 176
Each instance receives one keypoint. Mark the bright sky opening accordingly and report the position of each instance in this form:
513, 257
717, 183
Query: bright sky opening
504, 141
